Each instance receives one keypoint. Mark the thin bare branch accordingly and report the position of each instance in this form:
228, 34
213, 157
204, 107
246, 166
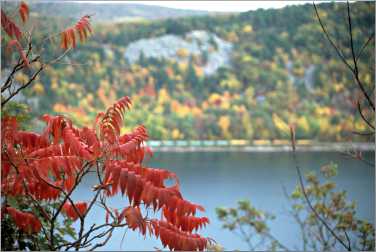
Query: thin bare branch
356, 70
353, 69
365, 45
348, 239
351, 39
317, 215
67, 196
23, 86
108, 233
58, 58
364, 118
339, 53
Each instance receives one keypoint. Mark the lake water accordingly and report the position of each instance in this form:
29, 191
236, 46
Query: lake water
221, 179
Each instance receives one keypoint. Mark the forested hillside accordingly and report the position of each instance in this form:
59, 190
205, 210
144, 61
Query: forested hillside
280, 70
103, 12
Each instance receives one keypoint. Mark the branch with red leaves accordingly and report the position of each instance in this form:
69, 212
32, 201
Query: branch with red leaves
17, 41
82, 28
53, 163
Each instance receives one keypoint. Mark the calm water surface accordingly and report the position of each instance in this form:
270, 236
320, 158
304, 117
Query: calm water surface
221, 179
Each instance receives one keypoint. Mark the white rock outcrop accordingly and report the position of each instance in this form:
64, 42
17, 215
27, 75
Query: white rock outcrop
195, 42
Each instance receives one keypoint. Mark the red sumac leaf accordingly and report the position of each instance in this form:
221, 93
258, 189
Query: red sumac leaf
134, 219
74, 212
23, 11
10, 27
68, 36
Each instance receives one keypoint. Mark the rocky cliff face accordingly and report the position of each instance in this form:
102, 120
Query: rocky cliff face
216, 51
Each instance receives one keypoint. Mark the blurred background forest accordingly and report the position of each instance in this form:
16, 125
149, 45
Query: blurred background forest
244, 77
200, 75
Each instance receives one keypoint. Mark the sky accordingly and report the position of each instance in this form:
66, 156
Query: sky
219, 6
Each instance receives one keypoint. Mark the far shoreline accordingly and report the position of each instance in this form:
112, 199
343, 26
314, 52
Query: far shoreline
316, 147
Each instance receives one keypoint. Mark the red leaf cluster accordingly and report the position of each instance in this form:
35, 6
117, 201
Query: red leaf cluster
134, 219
124, 172
14, 32
27, 222
185, 223
82, 28
74, 212
38, 161
10, 27
23, 11
109, 122
176, 239
40, 164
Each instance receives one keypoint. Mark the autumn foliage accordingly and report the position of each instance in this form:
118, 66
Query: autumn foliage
47, 167
13, 30
42, 170
82, 28
70, 209
10, 28
27, 222
23, 11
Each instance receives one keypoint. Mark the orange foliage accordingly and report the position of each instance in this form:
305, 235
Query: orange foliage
82, 27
